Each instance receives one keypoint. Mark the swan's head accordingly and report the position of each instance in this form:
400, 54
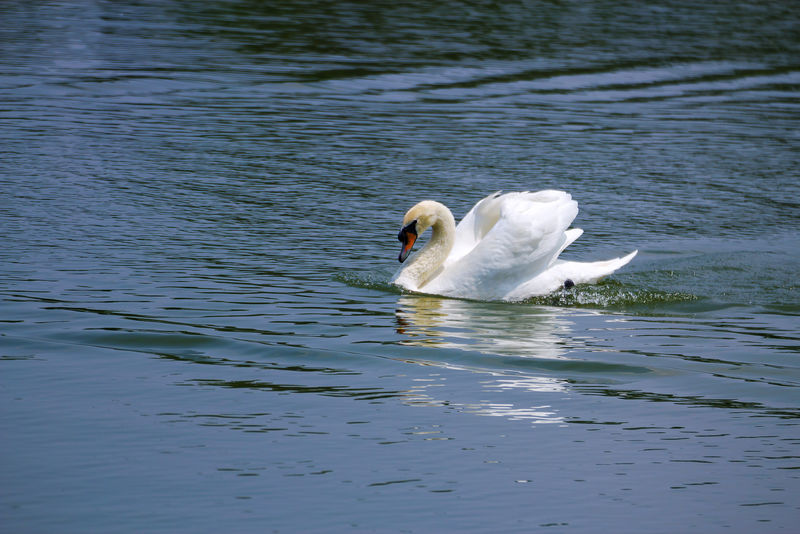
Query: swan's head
416, 221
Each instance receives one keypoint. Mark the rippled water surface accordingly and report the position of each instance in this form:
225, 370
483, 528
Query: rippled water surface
199, 204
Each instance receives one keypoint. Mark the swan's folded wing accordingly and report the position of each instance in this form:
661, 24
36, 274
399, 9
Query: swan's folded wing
526, 239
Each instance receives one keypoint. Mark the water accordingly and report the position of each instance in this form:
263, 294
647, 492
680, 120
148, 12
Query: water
197, 228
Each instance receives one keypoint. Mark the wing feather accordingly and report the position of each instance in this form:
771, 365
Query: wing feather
526, 238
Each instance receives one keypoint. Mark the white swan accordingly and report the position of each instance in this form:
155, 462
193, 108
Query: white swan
505, 248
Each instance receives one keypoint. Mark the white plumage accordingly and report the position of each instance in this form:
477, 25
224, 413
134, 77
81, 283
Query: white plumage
505, 248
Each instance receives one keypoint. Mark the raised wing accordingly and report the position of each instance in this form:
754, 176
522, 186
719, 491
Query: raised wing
523, 241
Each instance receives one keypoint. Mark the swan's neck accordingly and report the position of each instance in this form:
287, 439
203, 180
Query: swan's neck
426, 264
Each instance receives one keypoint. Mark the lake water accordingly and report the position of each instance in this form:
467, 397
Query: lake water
199, 204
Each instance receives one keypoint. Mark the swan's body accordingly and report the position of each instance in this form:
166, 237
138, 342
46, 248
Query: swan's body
506, 247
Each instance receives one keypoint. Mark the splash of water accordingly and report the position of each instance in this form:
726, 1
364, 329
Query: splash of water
609, 294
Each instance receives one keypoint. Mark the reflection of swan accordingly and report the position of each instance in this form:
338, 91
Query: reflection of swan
506, 248
489, 328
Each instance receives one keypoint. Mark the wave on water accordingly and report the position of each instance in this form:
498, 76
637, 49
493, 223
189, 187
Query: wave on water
608, 294
377, 280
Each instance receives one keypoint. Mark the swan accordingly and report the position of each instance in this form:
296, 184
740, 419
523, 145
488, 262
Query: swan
505, 248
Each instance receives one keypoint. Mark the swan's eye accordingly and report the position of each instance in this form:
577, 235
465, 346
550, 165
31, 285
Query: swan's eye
410, 228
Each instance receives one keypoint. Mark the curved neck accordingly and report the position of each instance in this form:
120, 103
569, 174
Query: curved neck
426, 264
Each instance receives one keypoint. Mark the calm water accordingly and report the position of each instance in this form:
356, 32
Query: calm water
199, 204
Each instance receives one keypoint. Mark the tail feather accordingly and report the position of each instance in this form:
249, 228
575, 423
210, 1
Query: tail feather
591, 272
576, 271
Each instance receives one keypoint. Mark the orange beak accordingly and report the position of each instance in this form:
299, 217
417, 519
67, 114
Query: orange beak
407, 236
